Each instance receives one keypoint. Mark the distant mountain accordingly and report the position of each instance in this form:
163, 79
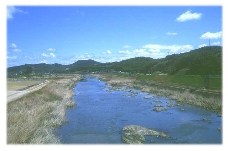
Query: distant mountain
202, 61
35, 68
82, 63
48, 68
138, 64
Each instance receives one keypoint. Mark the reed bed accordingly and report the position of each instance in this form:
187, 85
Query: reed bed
33, 118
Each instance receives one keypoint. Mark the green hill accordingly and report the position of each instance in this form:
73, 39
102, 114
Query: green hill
202, 61
48, 68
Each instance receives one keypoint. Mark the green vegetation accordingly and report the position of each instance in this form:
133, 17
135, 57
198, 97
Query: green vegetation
213, 103
32, 118
197, 82
29, 70
134, 65
186, 81
202, 61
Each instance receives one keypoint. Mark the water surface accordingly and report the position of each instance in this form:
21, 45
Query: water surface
101, 113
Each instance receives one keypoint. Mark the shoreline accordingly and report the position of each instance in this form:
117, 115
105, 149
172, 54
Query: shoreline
212, 103
33, 118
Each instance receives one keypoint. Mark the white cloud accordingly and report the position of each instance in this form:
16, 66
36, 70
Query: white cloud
44, 55
189, 16
183, 48
79, 12
50, 49
154, 50
202, 45
151, 50
153, 53
155, 46
126, 46
31, 58
51, 55
11, 57
15, 48
142, 52
139, 50
73, 59
107, 52
216, 43
11, 10
44, 61
13, 45
125, 52
172, 48
171, 33
209, 35
12, 63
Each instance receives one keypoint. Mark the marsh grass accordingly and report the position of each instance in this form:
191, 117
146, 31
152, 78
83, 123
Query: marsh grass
181, 80
32, 119
212, 103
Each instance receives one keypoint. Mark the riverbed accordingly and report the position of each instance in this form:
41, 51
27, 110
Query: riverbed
102, 111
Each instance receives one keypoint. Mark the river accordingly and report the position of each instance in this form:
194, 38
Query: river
102, 112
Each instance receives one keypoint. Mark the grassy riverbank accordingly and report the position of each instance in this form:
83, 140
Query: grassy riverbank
33, 118
188, 81
212, 103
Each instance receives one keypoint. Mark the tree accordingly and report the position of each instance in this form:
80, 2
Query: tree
28, 70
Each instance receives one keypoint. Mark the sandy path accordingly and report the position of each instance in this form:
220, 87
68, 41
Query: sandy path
13, 95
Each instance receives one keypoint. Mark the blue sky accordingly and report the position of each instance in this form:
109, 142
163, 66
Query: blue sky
65, 34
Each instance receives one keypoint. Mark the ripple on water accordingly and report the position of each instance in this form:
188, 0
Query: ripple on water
102, 112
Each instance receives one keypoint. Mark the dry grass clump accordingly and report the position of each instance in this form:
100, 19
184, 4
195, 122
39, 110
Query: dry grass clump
212, 103
115, 80
32, 119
